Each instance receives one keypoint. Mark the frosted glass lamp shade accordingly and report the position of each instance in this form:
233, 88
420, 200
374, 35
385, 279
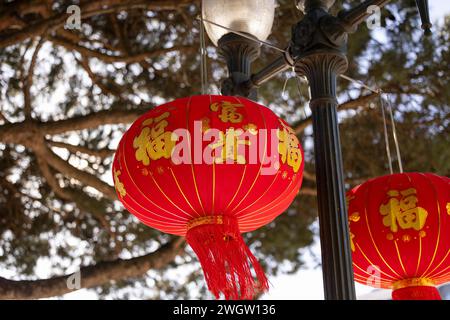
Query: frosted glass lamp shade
254, 17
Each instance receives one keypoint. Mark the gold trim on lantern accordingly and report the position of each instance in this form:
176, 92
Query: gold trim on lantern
204, 220
412, 282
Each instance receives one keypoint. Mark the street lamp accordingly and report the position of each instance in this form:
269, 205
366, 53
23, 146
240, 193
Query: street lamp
252, 18
317, 50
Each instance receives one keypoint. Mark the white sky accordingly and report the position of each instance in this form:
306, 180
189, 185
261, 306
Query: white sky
307, 283
439, 9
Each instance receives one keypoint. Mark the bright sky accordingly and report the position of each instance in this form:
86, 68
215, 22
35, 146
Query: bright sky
305, 284
439, 9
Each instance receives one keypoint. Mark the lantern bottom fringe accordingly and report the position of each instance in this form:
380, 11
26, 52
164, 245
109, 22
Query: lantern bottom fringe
416, 293
226, 260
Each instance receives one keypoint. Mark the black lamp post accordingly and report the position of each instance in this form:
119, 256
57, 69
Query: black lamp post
317, 50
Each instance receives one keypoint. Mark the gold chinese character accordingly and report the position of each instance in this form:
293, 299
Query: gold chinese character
150, 121
354, 217
352, 245
348, 198
119, 185
140, 143
252, 128
154, 142
288, 147
205, 124
161, 146
228, 111
406, 238
401, 210
227, 146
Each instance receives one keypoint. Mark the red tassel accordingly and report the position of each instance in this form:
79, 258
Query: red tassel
226, 260
416, 293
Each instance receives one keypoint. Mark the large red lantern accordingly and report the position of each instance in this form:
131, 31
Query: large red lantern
400, 233
209, 168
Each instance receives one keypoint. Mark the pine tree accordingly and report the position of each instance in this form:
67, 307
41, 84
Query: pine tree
67, 96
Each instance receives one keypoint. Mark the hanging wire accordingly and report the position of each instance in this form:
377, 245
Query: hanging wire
283, 92
299, 81
203, 20
383, 105
394, 134
203, 66
242, 34
358, 82
386, 136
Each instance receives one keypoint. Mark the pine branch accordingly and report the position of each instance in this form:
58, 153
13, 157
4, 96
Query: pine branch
9, 16
308, 191
100, 153
351, 104
26, 132
29, 80
83, 201
52, 181
119, 33
2, 117
88, 9
309, 176
108, 58
92, 276
67, 169
113, 89
91, 120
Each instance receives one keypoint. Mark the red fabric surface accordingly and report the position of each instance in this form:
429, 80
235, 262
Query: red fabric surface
416, 293
226, 261
166, 196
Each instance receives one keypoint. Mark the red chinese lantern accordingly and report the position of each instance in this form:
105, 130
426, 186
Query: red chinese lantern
209, 168
400, 234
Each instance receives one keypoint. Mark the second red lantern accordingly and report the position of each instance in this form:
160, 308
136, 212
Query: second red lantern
400, 233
